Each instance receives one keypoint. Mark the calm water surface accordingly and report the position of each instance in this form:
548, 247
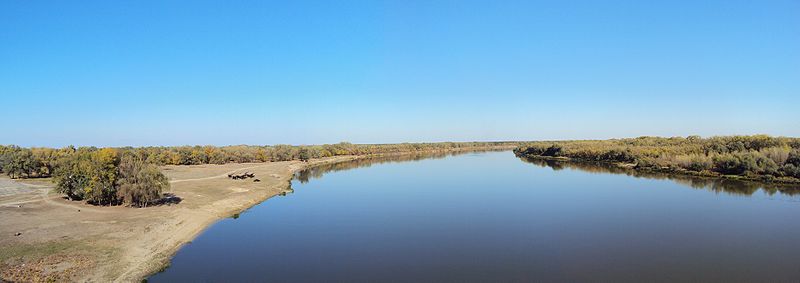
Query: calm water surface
494, 217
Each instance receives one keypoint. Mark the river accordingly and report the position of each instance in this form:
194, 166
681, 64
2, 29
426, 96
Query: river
493, 217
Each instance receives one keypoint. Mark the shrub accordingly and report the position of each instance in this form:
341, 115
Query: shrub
647, 162
618, 156
304, 154
700, 163
530, 150
553, 150
794, 158
778, 154
790, 170
764, 165
728, 164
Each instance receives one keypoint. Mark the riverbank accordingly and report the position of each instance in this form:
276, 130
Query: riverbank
758, 158
161, 246
61, 240
782, 184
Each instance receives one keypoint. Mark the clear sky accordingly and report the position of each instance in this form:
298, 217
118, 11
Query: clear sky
114, 73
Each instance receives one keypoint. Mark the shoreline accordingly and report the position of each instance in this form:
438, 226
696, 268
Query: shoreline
47, 238
160, 259
685, 173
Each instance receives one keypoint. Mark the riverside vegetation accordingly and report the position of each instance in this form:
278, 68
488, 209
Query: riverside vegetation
130, 176
757, 157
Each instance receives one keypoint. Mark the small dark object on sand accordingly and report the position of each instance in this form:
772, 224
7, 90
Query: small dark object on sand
244, 175
256, 180
79, 210
18, 234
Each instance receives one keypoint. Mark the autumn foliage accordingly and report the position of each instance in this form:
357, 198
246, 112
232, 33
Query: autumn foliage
755, 157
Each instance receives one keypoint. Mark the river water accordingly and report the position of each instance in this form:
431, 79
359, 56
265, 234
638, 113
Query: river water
493, 217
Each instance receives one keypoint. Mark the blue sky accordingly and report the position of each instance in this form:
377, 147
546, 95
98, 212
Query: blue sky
114, 73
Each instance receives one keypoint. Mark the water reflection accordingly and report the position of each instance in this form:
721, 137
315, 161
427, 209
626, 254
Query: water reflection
318, 171
730, 186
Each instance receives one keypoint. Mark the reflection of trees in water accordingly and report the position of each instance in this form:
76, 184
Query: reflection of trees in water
736, 187
318, 171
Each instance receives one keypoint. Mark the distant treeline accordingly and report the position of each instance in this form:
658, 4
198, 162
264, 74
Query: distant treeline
129, 175
754, 157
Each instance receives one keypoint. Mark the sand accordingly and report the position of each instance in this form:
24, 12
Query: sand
62, 240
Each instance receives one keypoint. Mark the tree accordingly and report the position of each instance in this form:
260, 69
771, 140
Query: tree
304, 154
104, 175
139, 183
20, 163
73, 174
89, 174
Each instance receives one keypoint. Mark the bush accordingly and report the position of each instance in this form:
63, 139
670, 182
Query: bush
530, 150
647, 162
794, 158
728, 164
700, 163
779, 155
790, 170
618, 155
553, 150
304, 154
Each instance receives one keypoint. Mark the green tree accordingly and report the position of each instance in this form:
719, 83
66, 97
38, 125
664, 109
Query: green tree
89, 174
304, 154
20, 163
139, 183
73, 174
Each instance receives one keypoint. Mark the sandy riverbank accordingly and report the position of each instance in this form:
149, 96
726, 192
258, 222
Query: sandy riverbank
63, 240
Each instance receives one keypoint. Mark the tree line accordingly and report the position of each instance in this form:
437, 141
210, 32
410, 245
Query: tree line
194, 155
755, 157
106, 176
130, 175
